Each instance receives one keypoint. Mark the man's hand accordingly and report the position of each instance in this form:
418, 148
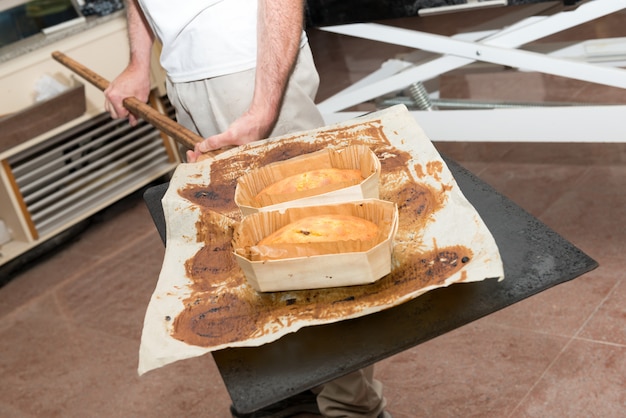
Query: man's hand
130, 83
247, 128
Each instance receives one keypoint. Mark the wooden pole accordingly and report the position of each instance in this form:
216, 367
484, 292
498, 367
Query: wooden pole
141, 110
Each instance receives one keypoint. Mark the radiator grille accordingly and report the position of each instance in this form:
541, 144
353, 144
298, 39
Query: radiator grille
74, 172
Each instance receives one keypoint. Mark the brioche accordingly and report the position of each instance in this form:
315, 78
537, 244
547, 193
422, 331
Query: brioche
311, 180
323, 228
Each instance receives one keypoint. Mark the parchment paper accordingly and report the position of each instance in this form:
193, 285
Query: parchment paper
202, 301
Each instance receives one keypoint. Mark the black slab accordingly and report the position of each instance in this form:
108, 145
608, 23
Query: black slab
535, 259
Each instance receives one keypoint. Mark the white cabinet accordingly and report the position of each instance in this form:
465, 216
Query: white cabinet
58, 178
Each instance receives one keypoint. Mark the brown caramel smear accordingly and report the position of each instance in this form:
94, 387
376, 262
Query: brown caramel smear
235, 315
214, 263
224, 309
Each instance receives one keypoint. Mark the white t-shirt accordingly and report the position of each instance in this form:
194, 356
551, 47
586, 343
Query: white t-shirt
193, 36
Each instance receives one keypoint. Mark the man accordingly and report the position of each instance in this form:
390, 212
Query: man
237, 71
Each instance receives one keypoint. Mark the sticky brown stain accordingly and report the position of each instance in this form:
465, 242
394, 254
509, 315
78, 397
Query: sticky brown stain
419, 170
210, 265
231, 316
434, 169
216, 318
428, 269
218, 197
416, 205
213, 263
223, 309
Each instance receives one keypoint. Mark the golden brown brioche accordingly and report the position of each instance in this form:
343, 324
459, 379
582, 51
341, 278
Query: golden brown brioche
312, 180
323, 228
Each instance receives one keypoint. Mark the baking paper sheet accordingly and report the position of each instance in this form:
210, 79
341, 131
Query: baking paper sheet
202, 301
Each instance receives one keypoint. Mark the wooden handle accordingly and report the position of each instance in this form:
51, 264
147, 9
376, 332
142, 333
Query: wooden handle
141, 110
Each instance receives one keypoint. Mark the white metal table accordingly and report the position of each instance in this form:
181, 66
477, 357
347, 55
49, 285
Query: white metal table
584, 123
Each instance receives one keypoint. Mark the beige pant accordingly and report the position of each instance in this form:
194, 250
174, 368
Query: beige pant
357, 394
208, 107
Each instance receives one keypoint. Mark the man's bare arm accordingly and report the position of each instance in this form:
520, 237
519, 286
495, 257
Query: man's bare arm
134, 81
279, 33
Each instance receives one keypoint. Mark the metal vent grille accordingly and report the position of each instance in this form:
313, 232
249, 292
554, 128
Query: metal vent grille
73, 173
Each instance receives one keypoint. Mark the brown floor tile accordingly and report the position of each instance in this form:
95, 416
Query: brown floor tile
582, 154
463, 152
81, 370
52, 270
476, 371
608, 323
115, 229
112, 296
9, 411
104, 236
562, 310
534, 187
589, 214
505, 85
41, 370
190, 388
587, 380
69, 264
603, 27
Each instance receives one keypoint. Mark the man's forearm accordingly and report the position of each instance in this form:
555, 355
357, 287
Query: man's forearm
134, 81
140, 37
279, 34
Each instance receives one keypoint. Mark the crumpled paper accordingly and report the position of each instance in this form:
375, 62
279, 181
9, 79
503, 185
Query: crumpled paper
202, 301
48, 87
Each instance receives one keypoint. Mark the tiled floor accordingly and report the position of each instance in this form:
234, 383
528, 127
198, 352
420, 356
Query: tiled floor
71, 321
